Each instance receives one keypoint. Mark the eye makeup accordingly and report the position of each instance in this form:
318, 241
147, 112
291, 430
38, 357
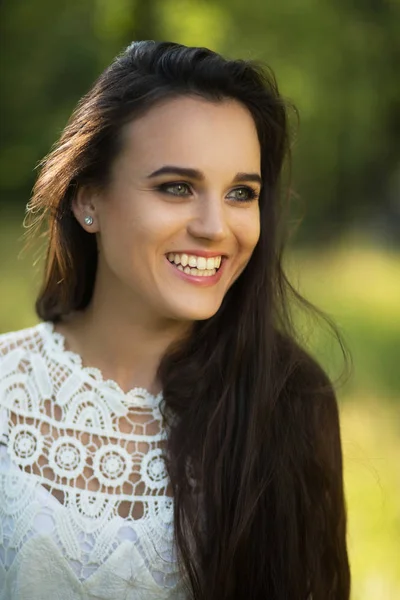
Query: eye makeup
252, 193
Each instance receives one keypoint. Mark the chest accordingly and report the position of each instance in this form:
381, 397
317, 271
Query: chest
125, 464
86, 492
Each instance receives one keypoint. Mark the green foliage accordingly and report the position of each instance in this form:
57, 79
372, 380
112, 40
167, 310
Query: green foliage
338, 62
194, 23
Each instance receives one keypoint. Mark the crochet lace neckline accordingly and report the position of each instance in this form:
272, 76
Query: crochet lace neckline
86, 502
135, 396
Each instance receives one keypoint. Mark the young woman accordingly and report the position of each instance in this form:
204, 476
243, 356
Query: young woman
164, 434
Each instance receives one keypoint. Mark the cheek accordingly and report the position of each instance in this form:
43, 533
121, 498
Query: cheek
120, 239
248, 230
117, 239
130, 238
247, 233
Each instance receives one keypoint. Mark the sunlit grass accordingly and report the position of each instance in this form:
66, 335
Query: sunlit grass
355, 278
18, 279
371, 449
359, 286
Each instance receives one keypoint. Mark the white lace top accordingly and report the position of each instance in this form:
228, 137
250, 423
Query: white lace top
86, 511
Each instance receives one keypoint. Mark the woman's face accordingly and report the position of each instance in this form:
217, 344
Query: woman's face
183, 189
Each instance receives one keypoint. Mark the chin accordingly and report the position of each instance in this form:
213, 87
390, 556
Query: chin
196, 313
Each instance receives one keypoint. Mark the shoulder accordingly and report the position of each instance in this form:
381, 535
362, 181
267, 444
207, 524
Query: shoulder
305, 378
312, 459
24, 374
308, 399
20, 351
24, 339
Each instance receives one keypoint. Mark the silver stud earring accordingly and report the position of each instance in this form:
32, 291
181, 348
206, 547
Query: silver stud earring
88, 220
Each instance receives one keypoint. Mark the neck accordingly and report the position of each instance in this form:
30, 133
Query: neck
125, 345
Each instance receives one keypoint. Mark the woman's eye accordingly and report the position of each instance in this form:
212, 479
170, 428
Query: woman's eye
244, 194
176, 189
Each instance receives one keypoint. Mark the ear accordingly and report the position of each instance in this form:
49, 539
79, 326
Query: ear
84, 204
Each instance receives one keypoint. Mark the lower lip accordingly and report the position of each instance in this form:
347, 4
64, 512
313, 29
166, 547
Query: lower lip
202, 280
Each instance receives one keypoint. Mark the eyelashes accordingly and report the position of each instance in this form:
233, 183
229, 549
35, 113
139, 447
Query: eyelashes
252, 194
165, 187
182, 190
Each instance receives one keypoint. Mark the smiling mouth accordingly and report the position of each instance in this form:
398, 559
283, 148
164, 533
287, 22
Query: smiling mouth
197, 268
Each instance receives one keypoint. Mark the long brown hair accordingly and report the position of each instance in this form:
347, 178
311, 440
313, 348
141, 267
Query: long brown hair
255, 424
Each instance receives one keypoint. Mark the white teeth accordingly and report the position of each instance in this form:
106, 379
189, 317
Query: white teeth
210, 263
201, 262
195, 262
196, 272
203, 273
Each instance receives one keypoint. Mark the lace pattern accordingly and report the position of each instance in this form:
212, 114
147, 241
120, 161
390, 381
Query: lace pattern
82, 466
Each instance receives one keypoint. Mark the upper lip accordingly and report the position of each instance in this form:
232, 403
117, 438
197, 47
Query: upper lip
205, 253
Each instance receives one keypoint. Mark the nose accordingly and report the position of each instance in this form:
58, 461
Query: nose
210, 219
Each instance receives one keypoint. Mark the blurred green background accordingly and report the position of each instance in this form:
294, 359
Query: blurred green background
337, 61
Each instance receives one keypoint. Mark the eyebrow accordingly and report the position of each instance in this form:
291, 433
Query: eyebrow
199, 176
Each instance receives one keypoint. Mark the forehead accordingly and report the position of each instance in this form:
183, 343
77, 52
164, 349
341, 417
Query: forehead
194, 132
